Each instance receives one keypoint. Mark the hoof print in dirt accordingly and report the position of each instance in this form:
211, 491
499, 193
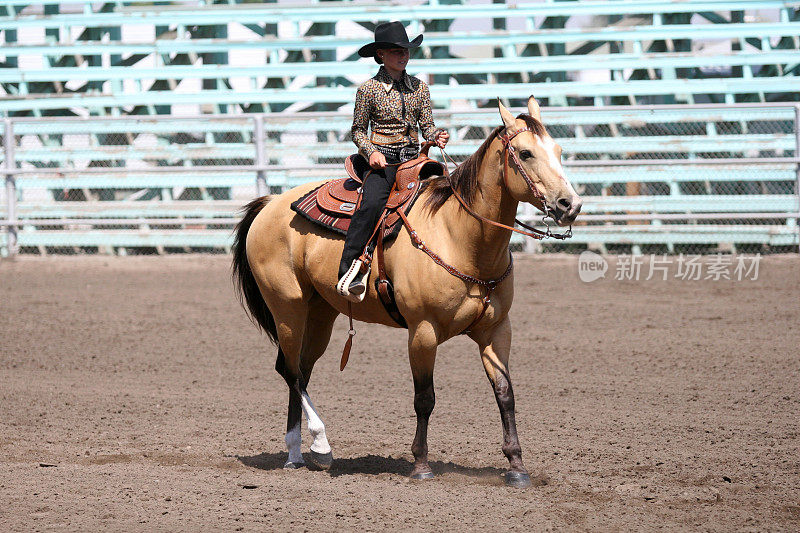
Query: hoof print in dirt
518, 480
423, 475
293, 466
320, 461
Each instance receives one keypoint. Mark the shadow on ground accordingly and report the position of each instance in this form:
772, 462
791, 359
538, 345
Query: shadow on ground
375, 465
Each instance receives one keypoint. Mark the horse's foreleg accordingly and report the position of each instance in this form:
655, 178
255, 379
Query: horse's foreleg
495, 349
422, 355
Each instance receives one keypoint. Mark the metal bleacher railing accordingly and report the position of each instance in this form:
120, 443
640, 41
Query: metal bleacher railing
669, 178
142, 126
134, 58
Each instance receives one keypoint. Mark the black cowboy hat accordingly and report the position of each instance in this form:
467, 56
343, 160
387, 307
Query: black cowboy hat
389, 35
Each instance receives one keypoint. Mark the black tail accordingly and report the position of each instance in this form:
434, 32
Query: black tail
246, 286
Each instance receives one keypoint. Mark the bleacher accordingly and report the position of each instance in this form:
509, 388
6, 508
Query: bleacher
671, 114
244, 57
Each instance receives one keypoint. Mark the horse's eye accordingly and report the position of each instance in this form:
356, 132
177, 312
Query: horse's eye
525, 154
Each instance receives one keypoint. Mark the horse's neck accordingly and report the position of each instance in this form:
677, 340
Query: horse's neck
486, 245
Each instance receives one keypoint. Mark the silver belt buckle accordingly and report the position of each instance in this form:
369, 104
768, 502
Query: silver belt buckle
407, 153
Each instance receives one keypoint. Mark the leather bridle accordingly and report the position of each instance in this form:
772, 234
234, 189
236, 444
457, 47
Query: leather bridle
508, 148
532, 232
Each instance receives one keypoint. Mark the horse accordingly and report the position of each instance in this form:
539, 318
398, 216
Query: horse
285, 267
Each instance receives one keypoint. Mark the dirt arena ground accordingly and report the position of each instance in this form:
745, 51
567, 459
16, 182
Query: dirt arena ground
136, 396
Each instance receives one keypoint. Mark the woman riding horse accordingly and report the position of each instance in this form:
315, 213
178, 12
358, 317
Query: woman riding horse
284, 266
390, 104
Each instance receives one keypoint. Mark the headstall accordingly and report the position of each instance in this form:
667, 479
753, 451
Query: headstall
532, 232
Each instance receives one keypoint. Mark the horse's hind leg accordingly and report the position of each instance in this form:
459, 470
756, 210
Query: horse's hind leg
319, 325
296, 371
294, 418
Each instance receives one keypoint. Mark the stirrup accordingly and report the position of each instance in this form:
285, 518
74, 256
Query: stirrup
359, 286
351, 288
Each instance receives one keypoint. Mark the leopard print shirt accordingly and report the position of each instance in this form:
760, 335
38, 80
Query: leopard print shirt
393, 109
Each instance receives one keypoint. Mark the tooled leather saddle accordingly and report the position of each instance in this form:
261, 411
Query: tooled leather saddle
332, 204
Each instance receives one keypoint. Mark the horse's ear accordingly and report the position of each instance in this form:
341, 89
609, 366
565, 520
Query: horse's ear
533, 108
505, 114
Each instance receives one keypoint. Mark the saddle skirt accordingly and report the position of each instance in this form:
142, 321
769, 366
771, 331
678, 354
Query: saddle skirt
333, 203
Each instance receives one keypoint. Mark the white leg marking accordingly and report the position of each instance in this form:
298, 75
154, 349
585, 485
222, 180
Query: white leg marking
315, 426
293, 441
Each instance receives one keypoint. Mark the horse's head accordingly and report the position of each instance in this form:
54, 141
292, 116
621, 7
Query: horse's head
534, 173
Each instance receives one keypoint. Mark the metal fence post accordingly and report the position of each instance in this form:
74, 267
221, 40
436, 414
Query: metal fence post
11, 187
797, 169
261, 156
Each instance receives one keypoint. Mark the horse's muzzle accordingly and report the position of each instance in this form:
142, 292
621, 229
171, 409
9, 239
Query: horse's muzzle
566, 210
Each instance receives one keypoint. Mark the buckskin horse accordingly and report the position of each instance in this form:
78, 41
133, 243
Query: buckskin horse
285, 270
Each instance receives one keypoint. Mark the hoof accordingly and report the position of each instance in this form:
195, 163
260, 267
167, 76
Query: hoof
518, 480
293, 466
423, 475
321, 461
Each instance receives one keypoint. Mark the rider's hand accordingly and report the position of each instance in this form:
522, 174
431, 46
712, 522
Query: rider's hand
377, 160
441, 138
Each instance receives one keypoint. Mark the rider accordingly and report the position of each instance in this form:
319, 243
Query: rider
391, 103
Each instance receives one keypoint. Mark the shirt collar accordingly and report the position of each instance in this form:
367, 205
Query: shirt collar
388, 82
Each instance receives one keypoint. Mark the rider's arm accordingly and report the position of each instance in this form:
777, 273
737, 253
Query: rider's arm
426, 124
361, 122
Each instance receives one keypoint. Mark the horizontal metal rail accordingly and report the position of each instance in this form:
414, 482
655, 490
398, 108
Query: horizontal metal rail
692, 162
154, 170
128, 5
305, 116
344, 95
491, 38
122, 221
534, 219
587, 146
137, 5
230, 220
427, 66
685, 216
334, 167
269, 13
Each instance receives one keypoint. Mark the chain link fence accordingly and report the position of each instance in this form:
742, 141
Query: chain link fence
671, 179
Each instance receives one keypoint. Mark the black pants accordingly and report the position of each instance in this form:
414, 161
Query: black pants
377, 185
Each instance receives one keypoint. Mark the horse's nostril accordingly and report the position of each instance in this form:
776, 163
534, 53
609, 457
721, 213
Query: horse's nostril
564, 203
